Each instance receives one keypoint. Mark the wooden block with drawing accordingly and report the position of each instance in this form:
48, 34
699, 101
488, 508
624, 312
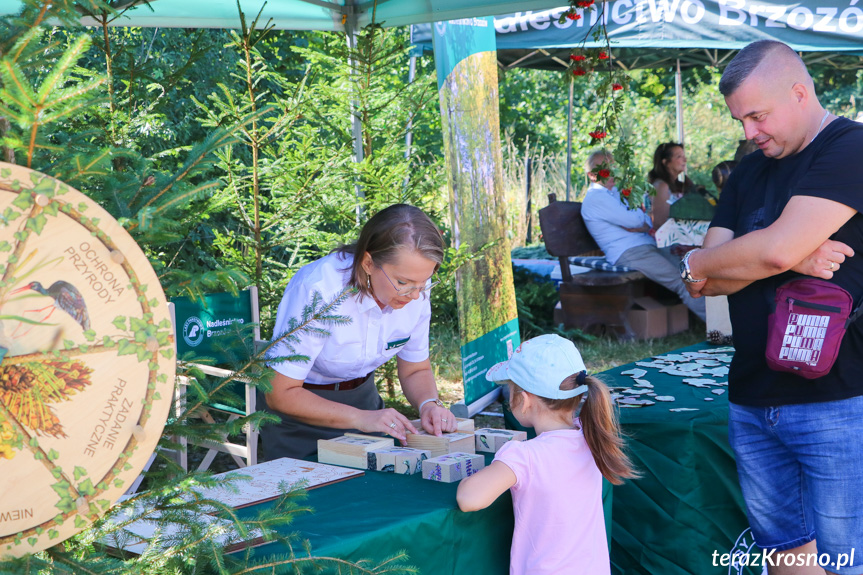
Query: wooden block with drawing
403, 460
446, 443
465, 425
452, 467
490, 440
351, 449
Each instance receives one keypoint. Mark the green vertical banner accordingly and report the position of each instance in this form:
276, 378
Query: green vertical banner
466, 63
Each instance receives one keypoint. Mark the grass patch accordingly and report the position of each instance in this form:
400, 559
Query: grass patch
601, 354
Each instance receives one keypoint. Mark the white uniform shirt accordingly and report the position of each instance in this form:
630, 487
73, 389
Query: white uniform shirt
606, 215
372, 337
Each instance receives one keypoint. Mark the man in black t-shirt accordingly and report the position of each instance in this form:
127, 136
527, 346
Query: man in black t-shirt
794, 207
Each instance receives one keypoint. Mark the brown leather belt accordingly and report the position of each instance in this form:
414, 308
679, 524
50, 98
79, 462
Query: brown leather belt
339, 385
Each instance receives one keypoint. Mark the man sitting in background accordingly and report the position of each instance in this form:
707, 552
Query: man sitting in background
622, 233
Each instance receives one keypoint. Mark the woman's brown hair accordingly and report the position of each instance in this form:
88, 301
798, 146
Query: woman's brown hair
660, 171
393, 228
598, 423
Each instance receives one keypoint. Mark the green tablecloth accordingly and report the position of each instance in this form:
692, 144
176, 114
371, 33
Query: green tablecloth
379, 514
688, 504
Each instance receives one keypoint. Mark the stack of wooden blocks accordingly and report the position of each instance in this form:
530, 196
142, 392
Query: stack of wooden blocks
351, 449
452, 467
402, 460
448, 458
491, 440
464, 425
446, 443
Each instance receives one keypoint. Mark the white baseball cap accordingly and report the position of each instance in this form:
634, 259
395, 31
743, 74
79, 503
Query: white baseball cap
540, 365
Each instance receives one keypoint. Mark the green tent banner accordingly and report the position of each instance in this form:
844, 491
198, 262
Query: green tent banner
659, 33
815, 25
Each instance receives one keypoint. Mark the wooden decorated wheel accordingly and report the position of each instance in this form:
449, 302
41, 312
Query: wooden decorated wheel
87, 371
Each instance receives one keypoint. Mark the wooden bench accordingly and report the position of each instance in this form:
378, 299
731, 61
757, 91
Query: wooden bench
595, 301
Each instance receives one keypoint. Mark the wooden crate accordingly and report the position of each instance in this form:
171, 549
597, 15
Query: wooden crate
402, 460
491, 440
589, 307
351, 449
452, 467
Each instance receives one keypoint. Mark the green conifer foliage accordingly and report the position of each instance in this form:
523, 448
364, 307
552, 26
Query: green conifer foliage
253, 169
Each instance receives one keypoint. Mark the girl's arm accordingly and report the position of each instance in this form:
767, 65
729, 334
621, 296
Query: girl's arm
481, 489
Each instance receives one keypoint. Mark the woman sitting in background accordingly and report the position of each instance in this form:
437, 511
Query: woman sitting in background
669, 162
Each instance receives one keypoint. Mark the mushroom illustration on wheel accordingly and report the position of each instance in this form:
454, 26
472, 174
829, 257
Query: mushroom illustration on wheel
65, 296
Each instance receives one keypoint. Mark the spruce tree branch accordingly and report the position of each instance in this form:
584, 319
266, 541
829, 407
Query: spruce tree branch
76, 566
222, 140
46, 4
33, 131
235, 185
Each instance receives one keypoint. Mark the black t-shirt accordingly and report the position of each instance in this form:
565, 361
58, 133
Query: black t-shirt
831, 167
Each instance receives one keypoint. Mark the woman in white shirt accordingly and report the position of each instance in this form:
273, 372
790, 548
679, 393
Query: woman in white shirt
389, 269
669, 162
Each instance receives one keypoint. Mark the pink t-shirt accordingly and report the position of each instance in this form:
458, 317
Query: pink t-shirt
557, 497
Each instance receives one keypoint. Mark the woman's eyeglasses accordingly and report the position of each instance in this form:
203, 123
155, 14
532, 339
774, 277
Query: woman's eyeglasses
408, 290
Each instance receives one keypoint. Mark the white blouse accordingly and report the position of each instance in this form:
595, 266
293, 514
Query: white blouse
355, 349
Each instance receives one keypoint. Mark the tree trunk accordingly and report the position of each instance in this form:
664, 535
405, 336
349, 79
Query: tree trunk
6, 153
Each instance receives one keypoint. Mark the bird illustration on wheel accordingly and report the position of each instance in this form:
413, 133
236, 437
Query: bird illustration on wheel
64, 296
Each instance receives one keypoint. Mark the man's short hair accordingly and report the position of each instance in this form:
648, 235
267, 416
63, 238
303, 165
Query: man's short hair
595, 158
746, 61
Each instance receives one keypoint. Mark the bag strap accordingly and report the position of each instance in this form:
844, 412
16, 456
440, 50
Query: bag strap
855, 315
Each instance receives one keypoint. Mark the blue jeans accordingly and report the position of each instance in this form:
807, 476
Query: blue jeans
801, 471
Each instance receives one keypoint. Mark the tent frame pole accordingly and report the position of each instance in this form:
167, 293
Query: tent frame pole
678, 92
356, 124
409, 133
569, 140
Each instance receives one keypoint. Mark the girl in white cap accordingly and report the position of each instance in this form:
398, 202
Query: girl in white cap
556, 478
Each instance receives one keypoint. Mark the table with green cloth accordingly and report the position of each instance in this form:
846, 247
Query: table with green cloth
378, 515
688, 503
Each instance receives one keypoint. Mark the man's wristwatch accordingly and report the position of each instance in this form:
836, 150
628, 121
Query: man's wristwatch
685, 272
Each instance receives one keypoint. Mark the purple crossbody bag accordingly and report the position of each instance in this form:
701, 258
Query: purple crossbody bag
805, 330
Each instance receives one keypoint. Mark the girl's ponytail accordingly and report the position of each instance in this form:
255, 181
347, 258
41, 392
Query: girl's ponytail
602, 433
